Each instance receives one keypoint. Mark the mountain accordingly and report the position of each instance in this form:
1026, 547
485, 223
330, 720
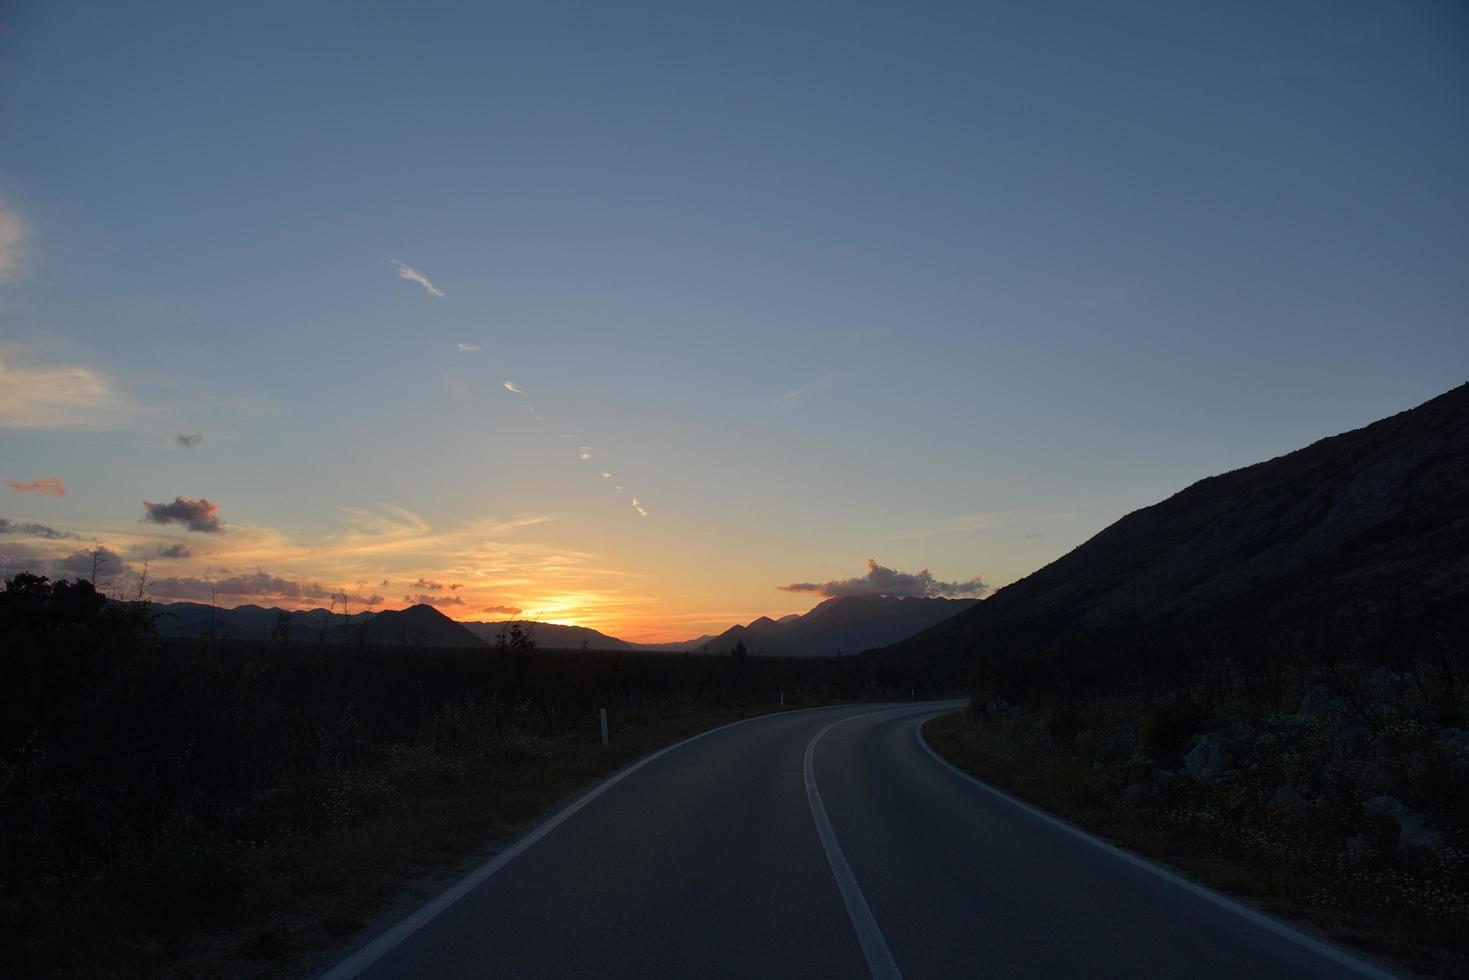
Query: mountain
1359, 531
418, 626
553, 636
415, 626
845, 624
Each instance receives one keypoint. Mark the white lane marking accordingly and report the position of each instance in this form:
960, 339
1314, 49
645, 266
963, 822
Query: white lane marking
383, 944
1337, 956
869, 936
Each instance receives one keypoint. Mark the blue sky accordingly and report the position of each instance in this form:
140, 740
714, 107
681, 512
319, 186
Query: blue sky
951, 287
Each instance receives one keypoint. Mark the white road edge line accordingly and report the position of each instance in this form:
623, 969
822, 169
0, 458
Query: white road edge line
1337, 956
879, 958
369, 954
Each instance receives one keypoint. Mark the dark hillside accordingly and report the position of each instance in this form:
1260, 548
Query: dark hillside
1353, 533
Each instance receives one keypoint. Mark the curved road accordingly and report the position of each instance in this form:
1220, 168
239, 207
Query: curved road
826, 843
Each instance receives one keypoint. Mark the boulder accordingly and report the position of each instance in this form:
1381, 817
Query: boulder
1414, 832
1207, 757
1140, 795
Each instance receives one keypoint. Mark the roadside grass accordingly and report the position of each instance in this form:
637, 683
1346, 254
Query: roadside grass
1413, 910
409, 823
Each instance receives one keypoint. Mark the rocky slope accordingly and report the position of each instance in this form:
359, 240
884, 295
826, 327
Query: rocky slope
1366, 527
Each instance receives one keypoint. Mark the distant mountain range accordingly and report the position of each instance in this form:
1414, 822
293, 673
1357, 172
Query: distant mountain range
1359, 530
842, 625
835, 626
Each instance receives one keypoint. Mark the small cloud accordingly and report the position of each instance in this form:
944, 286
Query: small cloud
465, 348
196, 515
175, 551
510, 386
606, 476
1036, 535
406, 271
881, 580
28, 530
638, 507
189, 442
46, 486
618, 488
584, 452
14, 238
507, 610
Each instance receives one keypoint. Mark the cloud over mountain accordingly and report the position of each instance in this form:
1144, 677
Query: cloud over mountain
197, 515
506, 610
424, 598
257, 583
881, 580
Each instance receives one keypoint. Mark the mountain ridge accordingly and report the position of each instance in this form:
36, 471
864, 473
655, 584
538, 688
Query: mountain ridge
1368, 523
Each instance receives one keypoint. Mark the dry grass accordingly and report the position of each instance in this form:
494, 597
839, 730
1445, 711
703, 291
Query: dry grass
1279, 876
410, 824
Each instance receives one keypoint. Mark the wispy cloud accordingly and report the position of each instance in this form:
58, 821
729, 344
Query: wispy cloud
881, 580
197, 515
606, 475
175, 551
584, 452
189, 442
801, 391
506, 610
27, 530
433, 586
61, 397
46, 486
406, 271
638, 507
14, 242
510, 386
465, 348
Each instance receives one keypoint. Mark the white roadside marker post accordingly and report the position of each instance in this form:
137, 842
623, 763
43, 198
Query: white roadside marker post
602, 718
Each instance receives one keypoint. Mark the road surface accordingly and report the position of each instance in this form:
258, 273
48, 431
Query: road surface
826, 843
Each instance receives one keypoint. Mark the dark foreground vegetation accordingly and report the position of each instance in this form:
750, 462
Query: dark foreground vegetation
204, 807
1324, 774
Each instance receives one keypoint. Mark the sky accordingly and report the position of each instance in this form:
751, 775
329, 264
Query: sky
629, 315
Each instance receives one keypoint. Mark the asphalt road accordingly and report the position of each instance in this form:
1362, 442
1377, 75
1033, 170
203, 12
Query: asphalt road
826, 843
